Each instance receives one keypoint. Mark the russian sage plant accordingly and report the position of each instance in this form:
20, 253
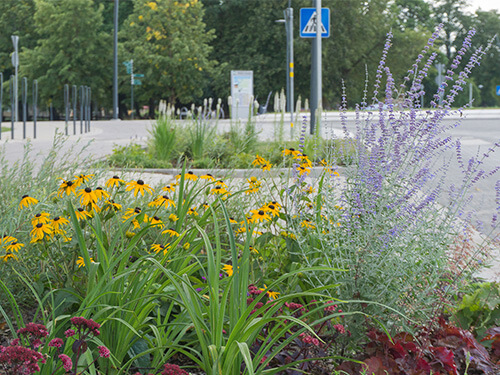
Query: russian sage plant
385, 224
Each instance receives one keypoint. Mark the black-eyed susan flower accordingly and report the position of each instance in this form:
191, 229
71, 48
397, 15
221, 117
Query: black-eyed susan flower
27, 201
156, 221
190, 176
303, 169
40, 230
111, 204
259, 160
307, 224
114, 181
139, 187
66, 187
272, 295
266, 167
218, 190
232, 221
81, 178
171, 232
272, 209
87, 196
259, 216
253, 250
81, 262
228, 268
208, 177
6, 239
169, 188
131, 212
58, 222
8, 256
173, 217
82, 214
205, 206
101, 193
192, 211
221, 183
40, 218
14, 246
162, 200
186, 246
158, 247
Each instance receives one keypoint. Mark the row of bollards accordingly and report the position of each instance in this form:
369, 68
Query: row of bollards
85, 106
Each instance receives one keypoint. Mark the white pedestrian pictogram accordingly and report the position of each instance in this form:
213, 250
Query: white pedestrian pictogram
311, 25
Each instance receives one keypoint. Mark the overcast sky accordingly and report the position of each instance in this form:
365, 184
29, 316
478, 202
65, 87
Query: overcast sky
485, 4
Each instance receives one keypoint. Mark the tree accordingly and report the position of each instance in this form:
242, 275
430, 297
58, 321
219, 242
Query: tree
169, 44
71, 49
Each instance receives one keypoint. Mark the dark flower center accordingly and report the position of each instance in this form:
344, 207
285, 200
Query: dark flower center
271, 207
38, 215
39, 225
116, 177
140, 182
24, 196
137, 210
261, 212
165, 197
69, 183
156, 218
88, 190
190, 172
56, 218
80, 209
291, 149
98, 188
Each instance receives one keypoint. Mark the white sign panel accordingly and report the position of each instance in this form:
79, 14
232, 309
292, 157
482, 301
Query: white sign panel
241, 93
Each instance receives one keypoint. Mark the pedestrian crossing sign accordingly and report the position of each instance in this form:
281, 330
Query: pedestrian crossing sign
308, 21
498, 90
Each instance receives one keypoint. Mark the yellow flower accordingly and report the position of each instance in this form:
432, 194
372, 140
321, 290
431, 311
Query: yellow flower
8, 256
169, 188
266, 167
253, 182
41, 218
227, 268
290, 151
272, 295
40, 230
205, 206
114, 181
67, 187
14, 246
190, 176
162, 200
258, 216
173, 217
139, 187
171, 232
259, 160
6, 239
192, 211
218, 189
303, 169
307, 224
152, 5
80, 179
131, 212
100, 193
110, 204
81, 262
186, 246
26, 201
274, 210
157, 248
57, 222
208, 176
156, 222
232, 221
309, 190
253, 250
87, 196
81, 214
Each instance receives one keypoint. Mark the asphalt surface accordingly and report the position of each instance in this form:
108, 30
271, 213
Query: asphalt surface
479, 131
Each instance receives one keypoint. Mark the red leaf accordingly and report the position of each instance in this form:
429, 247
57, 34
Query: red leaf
374, 366
445, 357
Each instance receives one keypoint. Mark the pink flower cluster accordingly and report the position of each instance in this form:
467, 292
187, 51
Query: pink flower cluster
169, 369
308, 339
253, 290
17, 359
84, 325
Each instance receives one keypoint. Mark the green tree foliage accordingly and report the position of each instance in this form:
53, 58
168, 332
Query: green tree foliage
16, 18
71, 49
169, 44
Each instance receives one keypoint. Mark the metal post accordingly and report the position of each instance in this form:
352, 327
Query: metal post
470, 93
289, 34
1, 102
35, 106
132, 89
89, 109
316, 89
74, 97
115, 63
66, 108
15, 62
24, 99
81, 109
12, 101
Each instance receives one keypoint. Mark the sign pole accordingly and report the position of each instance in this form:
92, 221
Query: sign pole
115, 63
289, 34
316, 87
15, 62
131, 89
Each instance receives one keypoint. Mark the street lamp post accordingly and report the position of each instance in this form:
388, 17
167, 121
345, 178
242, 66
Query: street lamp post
115, 63
15, 62
288, 21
